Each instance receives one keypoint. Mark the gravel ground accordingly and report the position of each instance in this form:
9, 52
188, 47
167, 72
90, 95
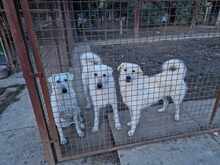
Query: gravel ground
201, 56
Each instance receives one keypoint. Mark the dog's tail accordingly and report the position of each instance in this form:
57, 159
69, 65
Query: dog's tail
176, 66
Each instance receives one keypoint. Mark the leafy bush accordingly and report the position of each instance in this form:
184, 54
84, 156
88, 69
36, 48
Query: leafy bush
153, 12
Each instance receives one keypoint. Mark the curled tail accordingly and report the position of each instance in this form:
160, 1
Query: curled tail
176, 66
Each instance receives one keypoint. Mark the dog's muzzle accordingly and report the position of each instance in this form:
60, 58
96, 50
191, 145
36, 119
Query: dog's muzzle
128, 78
64, 90
99, 85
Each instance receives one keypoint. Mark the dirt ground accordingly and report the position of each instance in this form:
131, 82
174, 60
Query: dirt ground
201, 56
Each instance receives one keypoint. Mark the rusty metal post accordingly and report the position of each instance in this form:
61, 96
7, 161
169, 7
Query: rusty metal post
215, 108
9, 44
30, 78
42, 79
137, 13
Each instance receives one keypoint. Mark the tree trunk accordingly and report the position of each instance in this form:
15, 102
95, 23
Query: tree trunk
218, 19
194, 12
137, 10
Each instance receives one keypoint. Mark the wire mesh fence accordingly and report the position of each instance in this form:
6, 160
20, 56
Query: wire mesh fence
122, 72
7, 41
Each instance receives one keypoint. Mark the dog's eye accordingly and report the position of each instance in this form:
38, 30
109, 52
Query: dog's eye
65, 80
58, 81
125, 70
104, 75
133, 71
95, 74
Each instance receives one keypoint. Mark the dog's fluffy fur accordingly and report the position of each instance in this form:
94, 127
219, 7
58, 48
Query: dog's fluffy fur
140, 91
102, 91
64, 104
88, 60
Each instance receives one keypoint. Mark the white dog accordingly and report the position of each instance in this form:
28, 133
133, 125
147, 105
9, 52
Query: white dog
64, 104
140, 91
102, 92
88, 60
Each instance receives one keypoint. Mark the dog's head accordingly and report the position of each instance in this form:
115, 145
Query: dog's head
129, 71
101, 76
61, 82
90, 58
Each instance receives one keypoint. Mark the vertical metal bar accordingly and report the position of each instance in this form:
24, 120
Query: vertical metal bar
55, 37
39, 66
137, 18
30, 80
68, 34
7, 48
215, 108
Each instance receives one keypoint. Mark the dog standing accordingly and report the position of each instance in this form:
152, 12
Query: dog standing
88, 60
64, 104
102, 92
140, 91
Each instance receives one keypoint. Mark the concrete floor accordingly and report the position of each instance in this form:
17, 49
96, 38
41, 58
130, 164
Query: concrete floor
197, 150
20, 143
19, 137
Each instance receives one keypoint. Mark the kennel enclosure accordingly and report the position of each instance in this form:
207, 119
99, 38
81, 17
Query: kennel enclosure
49, 37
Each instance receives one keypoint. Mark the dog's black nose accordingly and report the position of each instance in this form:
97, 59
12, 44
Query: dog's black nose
64, 90
99, 85
128, 78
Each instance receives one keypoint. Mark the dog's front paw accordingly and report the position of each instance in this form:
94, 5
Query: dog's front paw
177, 117
131, 132
118, 126
63, 141
161, 110
95, 129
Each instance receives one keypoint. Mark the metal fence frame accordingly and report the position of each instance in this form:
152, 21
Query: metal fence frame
30, 78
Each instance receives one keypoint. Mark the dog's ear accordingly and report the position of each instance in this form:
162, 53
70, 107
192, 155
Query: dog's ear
97, 60
140, 71
70, 76
120, 66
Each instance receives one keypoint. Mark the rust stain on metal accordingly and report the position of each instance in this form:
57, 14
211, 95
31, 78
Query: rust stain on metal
27, 69
41, 75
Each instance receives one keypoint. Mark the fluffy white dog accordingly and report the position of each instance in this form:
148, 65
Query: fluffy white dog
64, 104
140, 91
88, 60
102, 92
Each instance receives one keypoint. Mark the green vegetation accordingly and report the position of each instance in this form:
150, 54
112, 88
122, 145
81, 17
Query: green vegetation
179, 12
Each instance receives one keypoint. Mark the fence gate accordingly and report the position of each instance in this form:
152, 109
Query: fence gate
91, 67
